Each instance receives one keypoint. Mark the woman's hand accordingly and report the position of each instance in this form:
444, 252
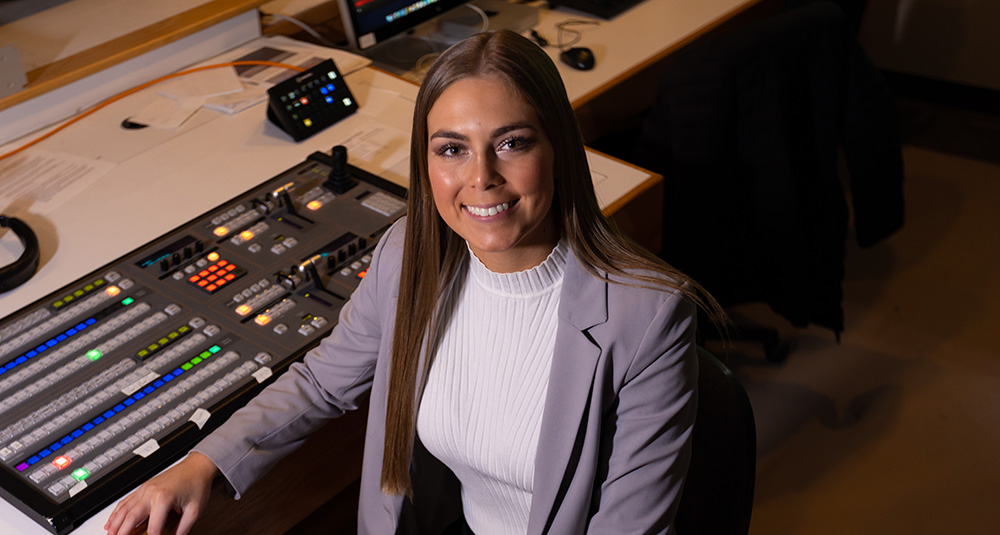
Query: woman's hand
183, 488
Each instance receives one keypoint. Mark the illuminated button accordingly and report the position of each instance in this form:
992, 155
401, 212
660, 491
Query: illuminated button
314, 205
61, 462
307, 122
212, 287
222, 263
262, 319
80, 474
203, 283
220, 282
204, 273
194, 278
243, 310
230, 267
211, 278
347, 102
94, 354
220, 231
213, 268
230, 276
213, 256
112, 290
304, 101
361, 274
246, 235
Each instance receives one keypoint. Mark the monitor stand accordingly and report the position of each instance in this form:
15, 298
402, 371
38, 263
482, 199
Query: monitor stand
410, 55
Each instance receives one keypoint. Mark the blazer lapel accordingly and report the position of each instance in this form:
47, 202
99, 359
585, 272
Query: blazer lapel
583, 304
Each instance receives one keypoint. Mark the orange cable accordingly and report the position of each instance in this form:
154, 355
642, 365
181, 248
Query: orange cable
144, 86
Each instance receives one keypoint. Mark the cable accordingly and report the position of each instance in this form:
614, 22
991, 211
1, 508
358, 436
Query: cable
485, 17
566, 27
302, 25
124, 94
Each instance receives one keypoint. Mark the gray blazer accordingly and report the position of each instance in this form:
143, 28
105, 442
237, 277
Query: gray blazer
616, 427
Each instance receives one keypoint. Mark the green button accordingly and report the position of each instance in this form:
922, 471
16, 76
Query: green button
94, 354
187, 366
196, 360
80, 474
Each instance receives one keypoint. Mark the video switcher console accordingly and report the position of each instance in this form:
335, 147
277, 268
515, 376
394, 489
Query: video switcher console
108, 380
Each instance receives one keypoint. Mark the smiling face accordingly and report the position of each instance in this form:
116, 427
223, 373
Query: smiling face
490, 167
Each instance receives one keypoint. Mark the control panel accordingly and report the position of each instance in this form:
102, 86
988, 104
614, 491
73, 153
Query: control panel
108, 380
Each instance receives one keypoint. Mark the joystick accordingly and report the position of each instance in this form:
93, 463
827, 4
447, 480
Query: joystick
340, 180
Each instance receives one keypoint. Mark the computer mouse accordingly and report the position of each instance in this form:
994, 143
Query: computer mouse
579, 57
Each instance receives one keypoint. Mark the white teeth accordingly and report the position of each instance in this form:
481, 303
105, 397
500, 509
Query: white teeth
486, 212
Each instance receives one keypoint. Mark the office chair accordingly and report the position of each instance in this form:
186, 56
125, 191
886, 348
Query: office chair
718, 492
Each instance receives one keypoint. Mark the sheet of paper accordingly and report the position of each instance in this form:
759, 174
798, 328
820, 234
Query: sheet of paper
233, 103
166, 112
41, 181
376, 101
608, 191
207, 83
381, 145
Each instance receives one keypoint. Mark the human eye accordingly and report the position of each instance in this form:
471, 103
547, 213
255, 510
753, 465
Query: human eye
446, 150
515, 143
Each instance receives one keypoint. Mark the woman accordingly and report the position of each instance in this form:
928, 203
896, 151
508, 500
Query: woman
559, 392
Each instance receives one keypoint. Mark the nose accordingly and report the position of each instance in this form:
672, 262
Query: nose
483, 172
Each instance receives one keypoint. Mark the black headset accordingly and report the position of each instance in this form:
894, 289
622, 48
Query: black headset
25, 266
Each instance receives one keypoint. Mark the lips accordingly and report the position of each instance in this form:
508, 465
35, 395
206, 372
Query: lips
489, 211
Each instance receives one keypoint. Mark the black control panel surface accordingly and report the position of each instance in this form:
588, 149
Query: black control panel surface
108, 380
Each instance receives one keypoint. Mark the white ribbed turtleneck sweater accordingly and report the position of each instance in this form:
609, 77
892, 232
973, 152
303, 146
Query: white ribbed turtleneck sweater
481, 409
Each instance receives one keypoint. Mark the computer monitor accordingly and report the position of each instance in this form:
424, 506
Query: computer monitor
396, 33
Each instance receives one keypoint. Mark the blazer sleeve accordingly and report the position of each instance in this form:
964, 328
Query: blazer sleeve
646, 436
329, 381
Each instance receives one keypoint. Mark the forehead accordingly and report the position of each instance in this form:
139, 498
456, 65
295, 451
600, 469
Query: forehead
481, 95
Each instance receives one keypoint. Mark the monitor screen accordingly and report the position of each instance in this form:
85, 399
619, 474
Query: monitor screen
370, 22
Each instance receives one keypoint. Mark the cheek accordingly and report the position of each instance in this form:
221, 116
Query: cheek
442, 185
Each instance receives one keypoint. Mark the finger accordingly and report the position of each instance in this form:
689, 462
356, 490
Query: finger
188, 516
133, 517
158, 516
117, 517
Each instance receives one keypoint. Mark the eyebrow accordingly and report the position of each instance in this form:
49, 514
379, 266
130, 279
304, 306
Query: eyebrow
448, 134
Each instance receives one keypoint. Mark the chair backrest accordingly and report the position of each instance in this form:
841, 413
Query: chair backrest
718, 492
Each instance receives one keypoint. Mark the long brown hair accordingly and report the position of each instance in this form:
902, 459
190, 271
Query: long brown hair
433, 253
